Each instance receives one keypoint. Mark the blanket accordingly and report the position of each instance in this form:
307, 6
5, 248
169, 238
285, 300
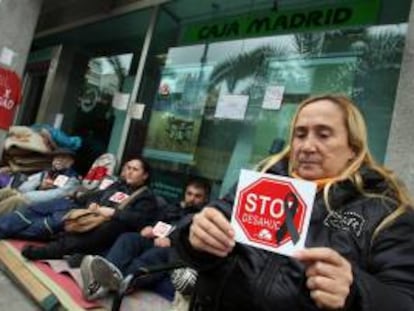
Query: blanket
53, 284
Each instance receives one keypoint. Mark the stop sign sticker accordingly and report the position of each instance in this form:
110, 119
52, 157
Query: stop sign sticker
272, 212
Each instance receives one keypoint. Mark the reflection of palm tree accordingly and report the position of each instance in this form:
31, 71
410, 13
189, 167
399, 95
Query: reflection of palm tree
378, 49
119, 70
381, 49
251, 64
248, 64
309, 44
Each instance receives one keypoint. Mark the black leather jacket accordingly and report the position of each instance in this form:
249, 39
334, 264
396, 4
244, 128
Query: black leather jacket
253, 279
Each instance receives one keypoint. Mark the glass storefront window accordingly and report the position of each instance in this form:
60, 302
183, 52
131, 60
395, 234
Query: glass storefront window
185, 134
95, 114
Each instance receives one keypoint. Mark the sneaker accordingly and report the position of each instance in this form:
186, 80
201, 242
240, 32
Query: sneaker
184, 280
32, 252
95, 291
106, 273
91, 288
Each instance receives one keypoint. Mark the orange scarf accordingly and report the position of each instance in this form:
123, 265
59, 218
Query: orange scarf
320, 183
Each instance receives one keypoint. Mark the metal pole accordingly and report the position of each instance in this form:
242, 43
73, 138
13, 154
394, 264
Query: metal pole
137, 81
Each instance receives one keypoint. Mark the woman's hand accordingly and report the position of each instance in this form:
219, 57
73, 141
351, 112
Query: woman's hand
211, 232
162, 242
106, 211
94, 207
329, 276
147, 232
46, 184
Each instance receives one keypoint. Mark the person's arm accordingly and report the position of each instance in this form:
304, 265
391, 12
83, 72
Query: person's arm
38, 196
143, 211
386, 284
207, 239
32, 182
389, 285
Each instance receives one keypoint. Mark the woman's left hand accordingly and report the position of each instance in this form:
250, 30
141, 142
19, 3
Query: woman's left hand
329, 276
162, 242
106, 211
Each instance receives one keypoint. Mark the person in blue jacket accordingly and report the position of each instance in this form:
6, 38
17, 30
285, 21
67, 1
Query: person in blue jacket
359, 251
57, 182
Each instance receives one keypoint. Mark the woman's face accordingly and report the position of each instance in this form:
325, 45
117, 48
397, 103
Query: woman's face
320, 147
134, 173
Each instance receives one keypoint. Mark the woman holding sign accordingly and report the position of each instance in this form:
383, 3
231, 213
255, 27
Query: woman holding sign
359, 251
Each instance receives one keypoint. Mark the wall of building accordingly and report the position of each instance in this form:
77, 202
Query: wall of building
400, 150
18, 20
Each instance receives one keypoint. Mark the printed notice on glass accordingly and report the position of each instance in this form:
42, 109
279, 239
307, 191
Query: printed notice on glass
231, 107
273, 97
6, 56
120, 101
136, 111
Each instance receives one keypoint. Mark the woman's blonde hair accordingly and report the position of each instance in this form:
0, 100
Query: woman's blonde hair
357, 140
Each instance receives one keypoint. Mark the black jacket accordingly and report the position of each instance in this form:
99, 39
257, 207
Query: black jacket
253, 279
140, 212
179, 216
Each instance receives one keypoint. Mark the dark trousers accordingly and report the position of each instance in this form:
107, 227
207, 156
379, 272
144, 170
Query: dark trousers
92, 242
126, 251
38, 221
131, 252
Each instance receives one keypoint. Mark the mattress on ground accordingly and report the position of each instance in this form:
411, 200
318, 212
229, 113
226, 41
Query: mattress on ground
54, 285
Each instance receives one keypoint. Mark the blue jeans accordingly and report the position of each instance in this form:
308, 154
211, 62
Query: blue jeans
38, 221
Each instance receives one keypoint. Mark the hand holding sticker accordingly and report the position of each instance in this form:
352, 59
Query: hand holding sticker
162, 229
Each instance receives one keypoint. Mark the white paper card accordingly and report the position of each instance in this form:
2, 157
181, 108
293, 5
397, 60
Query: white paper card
60, 180
231, 107
136, 111
118, 197
57, 123
273, 97
6, 56
120, 101
105, 183
272, 212
162, 229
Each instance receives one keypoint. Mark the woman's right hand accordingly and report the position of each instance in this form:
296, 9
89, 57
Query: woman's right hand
211, 232
94, 207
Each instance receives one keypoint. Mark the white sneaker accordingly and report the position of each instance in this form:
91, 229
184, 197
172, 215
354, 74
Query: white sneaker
184, 280
91, 289
106, 273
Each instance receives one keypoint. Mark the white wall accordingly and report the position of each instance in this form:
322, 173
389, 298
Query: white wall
400, 150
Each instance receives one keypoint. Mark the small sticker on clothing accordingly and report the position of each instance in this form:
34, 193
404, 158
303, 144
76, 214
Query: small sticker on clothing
118, 197
60, 180
162, 229
105, 183
347, 221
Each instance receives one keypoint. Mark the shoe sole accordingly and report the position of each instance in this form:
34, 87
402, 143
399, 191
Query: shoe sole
86, 274
104, 274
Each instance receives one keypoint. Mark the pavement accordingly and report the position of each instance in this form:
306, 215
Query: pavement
12, 298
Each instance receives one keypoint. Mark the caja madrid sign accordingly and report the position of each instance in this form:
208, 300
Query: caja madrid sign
9, 96
272, 212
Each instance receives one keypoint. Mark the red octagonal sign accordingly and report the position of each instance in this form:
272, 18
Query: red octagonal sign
270, 212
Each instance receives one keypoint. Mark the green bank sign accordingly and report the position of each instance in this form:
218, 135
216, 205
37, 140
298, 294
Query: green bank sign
266, 23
